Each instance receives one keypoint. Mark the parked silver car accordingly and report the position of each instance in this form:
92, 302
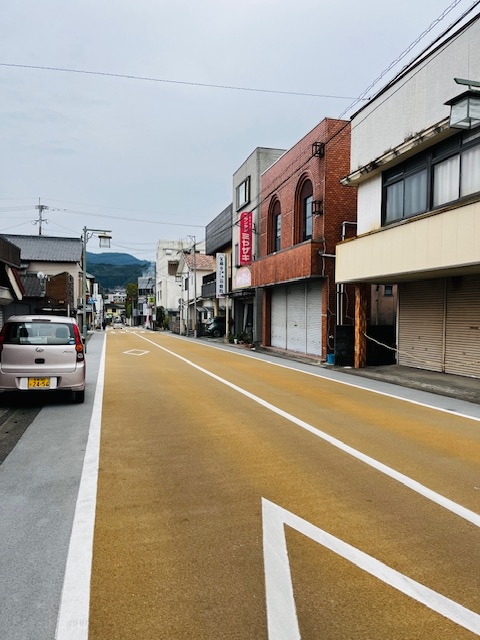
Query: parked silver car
42, 353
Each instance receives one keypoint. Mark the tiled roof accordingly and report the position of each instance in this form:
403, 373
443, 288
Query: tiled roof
47, 248
200, 261
146, 282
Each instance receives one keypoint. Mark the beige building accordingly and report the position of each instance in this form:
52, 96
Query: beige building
418, 180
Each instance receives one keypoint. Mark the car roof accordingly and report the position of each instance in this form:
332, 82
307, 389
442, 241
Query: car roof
40, 318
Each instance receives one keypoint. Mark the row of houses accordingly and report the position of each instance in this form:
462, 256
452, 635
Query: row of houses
361, 243
44, 275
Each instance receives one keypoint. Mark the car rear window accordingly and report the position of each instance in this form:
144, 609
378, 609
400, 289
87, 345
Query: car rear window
39, 333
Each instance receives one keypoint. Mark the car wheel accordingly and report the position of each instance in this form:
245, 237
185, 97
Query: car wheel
78, 396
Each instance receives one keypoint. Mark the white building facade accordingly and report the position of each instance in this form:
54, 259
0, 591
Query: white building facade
246, 307
419, 209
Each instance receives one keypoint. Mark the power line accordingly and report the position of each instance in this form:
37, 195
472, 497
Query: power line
409, 48
93, 215
285, 178
179, 82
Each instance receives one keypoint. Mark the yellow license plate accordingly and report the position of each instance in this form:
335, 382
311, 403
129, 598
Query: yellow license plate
34, 383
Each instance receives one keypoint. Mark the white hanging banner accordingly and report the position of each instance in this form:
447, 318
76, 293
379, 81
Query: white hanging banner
221, 289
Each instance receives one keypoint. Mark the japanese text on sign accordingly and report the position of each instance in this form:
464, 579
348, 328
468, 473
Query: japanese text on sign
221, 275
245, 238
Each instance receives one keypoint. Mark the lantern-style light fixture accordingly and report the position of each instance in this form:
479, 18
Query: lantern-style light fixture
465, 108
104, 240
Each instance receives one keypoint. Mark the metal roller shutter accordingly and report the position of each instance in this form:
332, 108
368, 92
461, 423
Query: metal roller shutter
296, 322
421, 324
462, 352
279, 318
296, 318
314, 318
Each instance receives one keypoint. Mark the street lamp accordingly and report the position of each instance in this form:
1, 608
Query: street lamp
465, 108
104, 238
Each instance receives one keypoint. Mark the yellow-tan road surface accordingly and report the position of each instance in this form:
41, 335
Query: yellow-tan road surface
238, 499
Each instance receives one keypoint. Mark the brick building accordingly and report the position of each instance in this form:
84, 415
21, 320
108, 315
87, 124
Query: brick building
305, 211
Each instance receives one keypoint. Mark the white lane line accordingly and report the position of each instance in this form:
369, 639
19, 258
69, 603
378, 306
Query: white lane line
330, 376
444, 502
281, 614
72, 622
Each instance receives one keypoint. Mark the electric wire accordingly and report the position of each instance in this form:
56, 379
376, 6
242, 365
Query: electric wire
402, 55
367, 115
177, 82
289, 176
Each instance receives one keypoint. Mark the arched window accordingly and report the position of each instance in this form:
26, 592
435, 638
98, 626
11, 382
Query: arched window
276, 227
306, 203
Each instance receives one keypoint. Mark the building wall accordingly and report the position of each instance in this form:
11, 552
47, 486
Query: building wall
415, 103
55, 268
439, 242
281, 180
167, 291
417, 100
253, 167
314, 258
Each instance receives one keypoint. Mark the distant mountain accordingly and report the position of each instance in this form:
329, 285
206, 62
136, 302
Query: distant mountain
116, 270
112, 258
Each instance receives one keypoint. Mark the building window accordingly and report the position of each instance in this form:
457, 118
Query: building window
388, 291
276, 227
243, 193
277, 231
443, 174
306, 203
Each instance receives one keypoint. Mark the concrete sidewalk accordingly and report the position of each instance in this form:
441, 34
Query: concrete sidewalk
444, 384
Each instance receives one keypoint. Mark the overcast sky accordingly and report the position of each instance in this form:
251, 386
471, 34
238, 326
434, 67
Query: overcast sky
154, 160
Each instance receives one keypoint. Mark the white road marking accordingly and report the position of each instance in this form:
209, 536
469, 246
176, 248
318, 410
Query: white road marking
328, 376
281, 614
72, 622
437, 498
135, 352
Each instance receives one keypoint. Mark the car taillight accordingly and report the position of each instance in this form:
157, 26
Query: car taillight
78, 343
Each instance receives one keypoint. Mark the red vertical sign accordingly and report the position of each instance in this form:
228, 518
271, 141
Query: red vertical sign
245, 238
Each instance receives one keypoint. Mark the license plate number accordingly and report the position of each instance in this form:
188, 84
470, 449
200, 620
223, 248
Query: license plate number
34, 383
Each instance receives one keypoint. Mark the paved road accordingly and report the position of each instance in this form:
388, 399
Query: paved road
242, 499
39, 482
239, 497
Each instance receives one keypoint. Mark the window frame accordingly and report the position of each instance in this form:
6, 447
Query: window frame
277, 231
305, 214
274, 226
427, 163
242, 193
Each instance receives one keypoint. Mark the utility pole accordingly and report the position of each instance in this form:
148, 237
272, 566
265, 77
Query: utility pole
194, 284
41, 208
